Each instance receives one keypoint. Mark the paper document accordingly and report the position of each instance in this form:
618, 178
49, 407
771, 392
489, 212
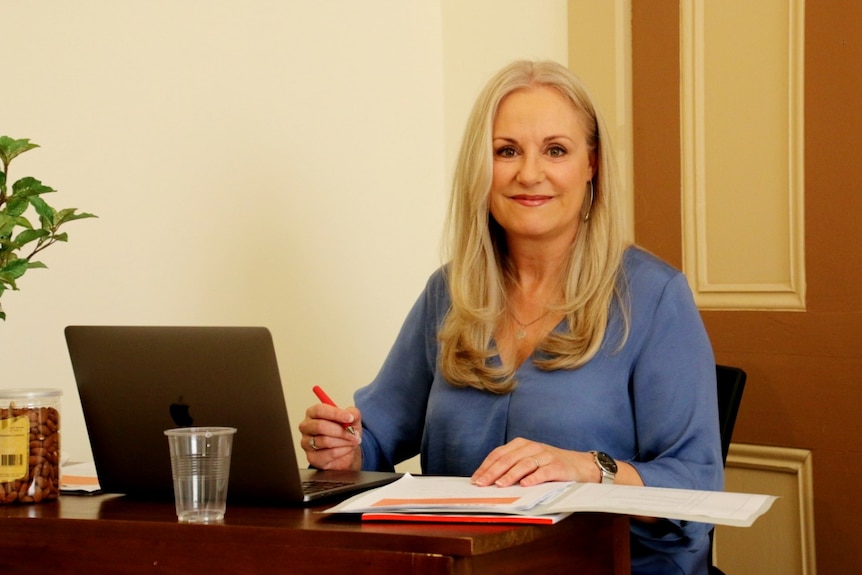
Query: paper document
449, 494
718, 507
79, 478
456, 495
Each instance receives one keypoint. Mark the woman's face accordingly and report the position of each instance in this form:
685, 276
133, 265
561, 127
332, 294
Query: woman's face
541, 166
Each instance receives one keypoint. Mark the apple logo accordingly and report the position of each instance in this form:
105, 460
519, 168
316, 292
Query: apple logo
180, 413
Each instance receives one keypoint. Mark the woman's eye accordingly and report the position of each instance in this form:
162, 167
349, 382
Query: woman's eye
556, 151
506, 152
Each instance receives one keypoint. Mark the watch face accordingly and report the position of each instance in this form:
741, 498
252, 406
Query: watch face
606, 461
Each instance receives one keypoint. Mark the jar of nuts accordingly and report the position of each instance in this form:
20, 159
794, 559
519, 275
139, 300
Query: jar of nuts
29, 445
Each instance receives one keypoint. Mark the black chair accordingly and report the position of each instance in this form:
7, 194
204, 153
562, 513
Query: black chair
731, 383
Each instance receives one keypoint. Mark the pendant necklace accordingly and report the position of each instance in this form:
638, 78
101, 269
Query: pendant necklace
521, 332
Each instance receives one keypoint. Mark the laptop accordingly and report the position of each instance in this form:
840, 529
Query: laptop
134, 382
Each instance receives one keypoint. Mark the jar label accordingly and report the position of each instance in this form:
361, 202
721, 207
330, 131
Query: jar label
14, 448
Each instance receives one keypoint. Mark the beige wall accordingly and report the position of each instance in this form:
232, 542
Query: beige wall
600, 53
266, 163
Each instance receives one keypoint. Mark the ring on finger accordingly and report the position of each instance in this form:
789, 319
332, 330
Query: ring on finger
536, 461
311, 443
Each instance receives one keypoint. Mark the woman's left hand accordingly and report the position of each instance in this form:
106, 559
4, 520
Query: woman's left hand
528, 463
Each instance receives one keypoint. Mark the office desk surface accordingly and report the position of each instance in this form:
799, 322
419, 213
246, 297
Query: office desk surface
112, 534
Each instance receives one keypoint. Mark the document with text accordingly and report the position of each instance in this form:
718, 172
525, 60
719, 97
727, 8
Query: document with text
439, 496
717, 507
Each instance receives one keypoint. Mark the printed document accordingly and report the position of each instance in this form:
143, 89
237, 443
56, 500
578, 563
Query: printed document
456, 495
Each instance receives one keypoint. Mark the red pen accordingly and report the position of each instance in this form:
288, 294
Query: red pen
321, 395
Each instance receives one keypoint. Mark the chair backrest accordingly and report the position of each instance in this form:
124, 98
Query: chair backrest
731, 383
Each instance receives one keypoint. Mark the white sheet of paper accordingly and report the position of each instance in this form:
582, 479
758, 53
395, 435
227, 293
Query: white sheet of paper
718, 507
457, 495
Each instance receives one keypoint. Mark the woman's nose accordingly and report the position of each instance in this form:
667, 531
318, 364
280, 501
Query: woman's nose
530, 171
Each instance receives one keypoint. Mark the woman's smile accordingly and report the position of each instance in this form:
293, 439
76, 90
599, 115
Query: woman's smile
531, 200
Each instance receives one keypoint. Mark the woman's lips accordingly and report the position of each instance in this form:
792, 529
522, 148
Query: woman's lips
531, 201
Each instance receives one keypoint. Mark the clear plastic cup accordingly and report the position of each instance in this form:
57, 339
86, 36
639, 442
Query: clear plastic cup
200, 462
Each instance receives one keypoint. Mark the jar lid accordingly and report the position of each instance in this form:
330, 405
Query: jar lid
33, 393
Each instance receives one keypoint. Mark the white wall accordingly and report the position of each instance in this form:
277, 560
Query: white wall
481, 36
279, 163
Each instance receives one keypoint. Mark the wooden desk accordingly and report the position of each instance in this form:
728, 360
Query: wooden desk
111, 534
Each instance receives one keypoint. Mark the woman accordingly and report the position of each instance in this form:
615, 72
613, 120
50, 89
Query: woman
546, 349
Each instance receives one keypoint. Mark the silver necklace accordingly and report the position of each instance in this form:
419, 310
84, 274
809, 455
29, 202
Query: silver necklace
521, 332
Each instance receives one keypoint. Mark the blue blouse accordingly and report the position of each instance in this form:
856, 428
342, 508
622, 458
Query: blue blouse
651, 403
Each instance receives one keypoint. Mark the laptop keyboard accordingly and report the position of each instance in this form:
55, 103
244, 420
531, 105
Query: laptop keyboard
314, 486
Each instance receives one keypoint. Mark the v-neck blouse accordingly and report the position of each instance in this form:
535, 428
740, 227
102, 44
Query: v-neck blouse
651, 402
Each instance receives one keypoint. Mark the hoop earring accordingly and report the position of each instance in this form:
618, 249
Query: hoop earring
590, 207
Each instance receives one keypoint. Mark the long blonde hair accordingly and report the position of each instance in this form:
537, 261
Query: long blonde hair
477, 256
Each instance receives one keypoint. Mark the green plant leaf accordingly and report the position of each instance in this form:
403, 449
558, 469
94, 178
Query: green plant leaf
40, 265
17, 206
28, 236
10, 148
7, 223
14, 270
64, 237
69, 215
23, 222
27, 187
45, 211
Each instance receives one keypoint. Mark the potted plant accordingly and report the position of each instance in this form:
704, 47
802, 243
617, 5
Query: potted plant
20, 240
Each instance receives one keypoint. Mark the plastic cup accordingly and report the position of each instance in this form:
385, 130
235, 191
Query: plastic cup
200, 462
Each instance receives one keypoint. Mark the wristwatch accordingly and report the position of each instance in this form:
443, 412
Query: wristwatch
606, 465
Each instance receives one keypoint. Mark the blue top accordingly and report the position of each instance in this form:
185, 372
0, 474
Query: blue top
651, 403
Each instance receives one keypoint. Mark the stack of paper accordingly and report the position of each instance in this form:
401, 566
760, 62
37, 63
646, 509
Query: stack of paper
431, 498
78, 479
454, 499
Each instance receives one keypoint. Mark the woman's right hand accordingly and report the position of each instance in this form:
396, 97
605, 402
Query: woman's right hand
326, 442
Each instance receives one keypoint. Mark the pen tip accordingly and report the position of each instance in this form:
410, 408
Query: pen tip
350, 430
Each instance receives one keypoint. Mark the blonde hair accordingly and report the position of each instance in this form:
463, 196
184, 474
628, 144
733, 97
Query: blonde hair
478, 263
